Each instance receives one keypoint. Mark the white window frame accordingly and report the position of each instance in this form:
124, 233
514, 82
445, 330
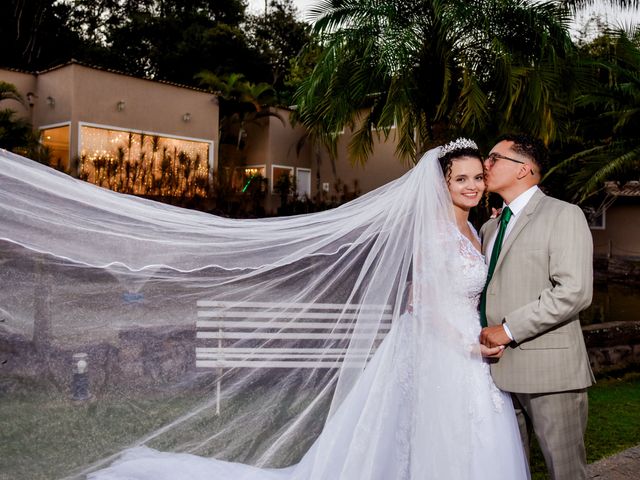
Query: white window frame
56, 125
602, 225
392, 127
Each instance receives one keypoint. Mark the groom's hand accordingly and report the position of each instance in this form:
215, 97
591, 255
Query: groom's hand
494, 336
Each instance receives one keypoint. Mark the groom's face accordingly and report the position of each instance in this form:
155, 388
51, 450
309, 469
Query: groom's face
503, 167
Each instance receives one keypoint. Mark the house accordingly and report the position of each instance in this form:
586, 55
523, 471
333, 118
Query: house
112, 129
275, 147
616, 232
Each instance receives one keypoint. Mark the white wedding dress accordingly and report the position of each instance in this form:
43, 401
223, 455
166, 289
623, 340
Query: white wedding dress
424, 408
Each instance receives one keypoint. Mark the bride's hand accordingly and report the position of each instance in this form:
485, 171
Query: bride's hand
491, 352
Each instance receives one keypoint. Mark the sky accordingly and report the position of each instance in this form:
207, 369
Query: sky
615, 16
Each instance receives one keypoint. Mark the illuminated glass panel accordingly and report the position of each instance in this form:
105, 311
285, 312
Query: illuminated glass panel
144, 164
243, 177
56, 140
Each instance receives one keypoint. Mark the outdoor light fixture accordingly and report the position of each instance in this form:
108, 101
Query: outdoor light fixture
80, 381
120, 105
186, 117
30, 97
51, 101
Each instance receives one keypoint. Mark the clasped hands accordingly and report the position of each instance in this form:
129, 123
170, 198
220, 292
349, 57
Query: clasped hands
493, 341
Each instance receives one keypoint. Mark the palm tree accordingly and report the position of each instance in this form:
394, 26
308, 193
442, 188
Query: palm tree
9, 91
610, 117
16, 133
241, 103
435, 68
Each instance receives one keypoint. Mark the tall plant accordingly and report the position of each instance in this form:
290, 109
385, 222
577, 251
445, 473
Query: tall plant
434, 68
609, 119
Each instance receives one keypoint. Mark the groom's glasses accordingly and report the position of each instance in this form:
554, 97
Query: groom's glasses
494, 157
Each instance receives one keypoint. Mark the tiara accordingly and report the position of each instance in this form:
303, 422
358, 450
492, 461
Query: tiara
457, 144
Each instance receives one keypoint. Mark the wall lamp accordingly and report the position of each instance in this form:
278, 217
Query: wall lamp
30, 98
120, 105
51, 101
186, 117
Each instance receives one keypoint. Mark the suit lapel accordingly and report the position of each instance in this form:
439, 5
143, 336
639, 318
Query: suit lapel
489, 231
522, 221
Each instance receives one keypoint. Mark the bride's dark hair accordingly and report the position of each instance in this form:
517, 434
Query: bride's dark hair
460, 147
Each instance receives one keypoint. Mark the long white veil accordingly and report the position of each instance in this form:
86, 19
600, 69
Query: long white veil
118, 278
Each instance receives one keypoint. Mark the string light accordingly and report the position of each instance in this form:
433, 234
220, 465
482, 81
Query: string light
144, 164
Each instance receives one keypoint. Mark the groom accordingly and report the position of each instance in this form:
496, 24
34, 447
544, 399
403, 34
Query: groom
540, 277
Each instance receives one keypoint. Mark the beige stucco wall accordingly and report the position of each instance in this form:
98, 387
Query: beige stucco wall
284, 140
148, 105
621, 236
58, 85
25, 83
380, 168
272, 140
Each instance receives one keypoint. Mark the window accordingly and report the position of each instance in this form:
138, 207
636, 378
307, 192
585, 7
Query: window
243, 177
144, 163
280, 175
56, 139
596, 218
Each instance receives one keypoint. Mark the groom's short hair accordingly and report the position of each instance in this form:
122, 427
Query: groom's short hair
528, 146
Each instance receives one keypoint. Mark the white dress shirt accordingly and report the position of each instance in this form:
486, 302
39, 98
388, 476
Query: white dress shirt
516, 206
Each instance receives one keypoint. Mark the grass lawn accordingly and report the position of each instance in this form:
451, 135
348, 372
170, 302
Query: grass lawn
44, 436
614, 420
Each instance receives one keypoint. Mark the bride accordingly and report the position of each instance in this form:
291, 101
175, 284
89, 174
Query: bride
424, 406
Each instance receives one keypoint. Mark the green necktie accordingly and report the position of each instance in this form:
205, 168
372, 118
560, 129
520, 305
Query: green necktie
495, 253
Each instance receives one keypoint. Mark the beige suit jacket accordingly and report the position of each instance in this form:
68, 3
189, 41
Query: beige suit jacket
542, 280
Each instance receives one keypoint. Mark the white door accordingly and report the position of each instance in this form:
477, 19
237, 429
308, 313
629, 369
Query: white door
303, 182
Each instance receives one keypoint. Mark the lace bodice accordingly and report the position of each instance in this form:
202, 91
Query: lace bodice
472, 281
474, 271
463, 294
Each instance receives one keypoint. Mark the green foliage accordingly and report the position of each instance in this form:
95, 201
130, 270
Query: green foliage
46, 436
34, 34
279, 37
436, 69
16, 133
614, 421
608, 113
164, 39
241, 103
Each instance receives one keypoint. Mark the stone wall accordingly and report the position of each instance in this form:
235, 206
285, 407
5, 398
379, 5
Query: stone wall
617, 269
163, 357
140, 358
613, 346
